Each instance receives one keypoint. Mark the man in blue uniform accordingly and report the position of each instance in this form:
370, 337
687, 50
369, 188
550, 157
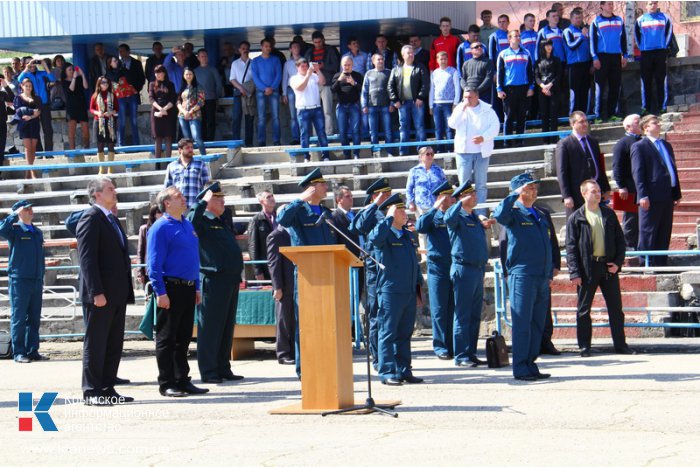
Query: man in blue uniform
221, 264
653, 31
26, 275
470, 253
529, 265
397, 283
440, 291
578, 58
362, 224
302, 219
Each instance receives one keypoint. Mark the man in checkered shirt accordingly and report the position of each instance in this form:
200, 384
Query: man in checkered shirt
187, 174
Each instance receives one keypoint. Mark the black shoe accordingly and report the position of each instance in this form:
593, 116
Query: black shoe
98, 401
190, 388
586, 352
121, 381
410, 379
286, 361
294, 142
542, 375
212, 380
172, 392
444, 356
232, 377
626, 351
37, 357
526, 378
464, 363
116, 398
392, 382
476, 361
549, 349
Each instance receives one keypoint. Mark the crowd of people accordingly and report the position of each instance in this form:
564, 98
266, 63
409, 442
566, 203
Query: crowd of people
565, 65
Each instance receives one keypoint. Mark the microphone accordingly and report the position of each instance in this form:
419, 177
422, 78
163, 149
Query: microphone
321, 218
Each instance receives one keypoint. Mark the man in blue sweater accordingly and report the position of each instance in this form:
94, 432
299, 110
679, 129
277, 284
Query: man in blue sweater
267, 75
578, 58
653, 31
515, 83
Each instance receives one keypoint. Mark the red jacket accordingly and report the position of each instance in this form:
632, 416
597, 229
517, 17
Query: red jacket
447, 44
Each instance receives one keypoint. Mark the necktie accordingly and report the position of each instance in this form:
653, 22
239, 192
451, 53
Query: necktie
351, 216
667, 160
589, 152
115, 225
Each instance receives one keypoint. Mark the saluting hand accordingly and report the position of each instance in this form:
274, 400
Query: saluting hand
307, 194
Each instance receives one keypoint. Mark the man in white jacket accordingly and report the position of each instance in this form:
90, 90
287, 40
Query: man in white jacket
476, 125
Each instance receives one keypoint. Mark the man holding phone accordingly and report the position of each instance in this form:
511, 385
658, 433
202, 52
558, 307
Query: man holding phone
37, 74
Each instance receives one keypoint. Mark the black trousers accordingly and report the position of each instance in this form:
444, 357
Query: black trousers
563, 101
46, 127
610, 286
630, 228
286, 325
102, 346
173, 334
655, 226
515, 106
3, 142
548, 110
215, 323
209, 120
653, 69
580, 85
610, 74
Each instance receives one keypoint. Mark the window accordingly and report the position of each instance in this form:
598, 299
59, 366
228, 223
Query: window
690, 11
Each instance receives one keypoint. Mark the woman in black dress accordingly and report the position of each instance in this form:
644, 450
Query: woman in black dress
74, 87
27, 114
163, 98
548, 73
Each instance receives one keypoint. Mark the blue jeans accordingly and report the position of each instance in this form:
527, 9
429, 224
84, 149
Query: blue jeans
25, 301
408, 112
375, 115
348, 116
315, 117
128, 105
475, 168
192, 129
237, 118
273, 101
292, 98
441, 112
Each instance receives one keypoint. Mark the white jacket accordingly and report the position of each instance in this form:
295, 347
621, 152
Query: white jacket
469, 122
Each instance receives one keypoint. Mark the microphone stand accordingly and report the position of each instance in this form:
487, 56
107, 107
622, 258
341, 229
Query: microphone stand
369, 406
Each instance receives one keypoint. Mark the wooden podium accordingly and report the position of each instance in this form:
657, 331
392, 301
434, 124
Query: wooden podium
323, 284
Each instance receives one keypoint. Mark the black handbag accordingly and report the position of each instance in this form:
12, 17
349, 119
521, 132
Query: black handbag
5, 345
497, 351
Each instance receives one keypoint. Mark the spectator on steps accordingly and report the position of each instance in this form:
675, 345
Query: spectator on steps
260, 226
36, 72
163, 98
267, 75
75, 85
189, 105
105, 107
27, 111
209, 79
134, 77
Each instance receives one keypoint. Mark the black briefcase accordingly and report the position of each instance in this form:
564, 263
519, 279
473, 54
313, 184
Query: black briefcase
5, 345
496, 351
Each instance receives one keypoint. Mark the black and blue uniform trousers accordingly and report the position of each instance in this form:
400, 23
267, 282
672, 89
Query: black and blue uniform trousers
653, 71
372, 310
610, 74
215, 323
397, 314
580, 86
515, 108
442, 306
468, 283
529, 301
25, 302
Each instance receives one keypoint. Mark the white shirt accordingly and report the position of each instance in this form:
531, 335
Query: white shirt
238, 69
310, 96
474, 121
289, 70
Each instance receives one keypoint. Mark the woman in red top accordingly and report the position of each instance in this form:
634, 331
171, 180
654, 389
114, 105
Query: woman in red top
105, 107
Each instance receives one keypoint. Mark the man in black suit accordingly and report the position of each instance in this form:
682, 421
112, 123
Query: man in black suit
282, 275
658, 188
578, 159
98, 64
622, 173
105, 290
342, 217
259, 228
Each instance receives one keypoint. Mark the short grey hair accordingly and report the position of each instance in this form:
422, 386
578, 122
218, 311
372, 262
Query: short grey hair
406, 47
340, 191
345, 59
263, 194
97, 185
627, 122
164, 196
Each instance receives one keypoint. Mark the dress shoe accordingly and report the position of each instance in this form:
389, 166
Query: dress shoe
286, 361
232, 377
172, 392
586, 352
526, 378
392, 382
37, 357
410, 379
121, 381
476, 361
22, 359
116, 398
626, 351
212, 380
444, 356
542, 375
190, 388
549, 349
98, 401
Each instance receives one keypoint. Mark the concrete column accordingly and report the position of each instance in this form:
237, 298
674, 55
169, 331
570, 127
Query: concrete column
211, 43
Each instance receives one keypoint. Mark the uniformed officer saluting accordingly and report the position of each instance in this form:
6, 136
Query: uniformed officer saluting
395, 247
440, 290
302, 218
529, 266
469, 257
362, 224
221, 264
26, 274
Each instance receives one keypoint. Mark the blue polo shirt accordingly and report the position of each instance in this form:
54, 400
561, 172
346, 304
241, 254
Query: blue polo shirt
172, 251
